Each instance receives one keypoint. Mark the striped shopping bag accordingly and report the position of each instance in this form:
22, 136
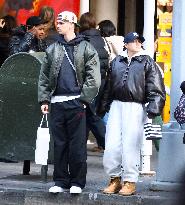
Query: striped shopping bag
152, 131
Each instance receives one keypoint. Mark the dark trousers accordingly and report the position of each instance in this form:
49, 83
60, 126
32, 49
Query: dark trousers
68, 128
96, 125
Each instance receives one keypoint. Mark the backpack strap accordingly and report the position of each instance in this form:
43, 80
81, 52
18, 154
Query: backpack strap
108, 46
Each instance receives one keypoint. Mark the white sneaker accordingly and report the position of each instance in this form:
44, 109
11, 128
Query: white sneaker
56, 189
75, 190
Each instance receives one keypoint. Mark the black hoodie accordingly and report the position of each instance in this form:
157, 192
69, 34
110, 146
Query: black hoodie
67, 84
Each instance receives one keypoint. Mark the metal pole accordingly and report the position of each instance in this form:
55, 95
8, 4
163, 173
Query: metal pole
148, 33
171, 165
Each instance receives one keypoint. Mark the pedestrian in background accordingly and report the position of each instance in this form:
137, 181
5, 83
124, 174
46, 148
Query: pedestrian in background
69, 80
182, 87
179, 112
29, 37
7, 24
47, 14
113, 44
134, 80
94, 123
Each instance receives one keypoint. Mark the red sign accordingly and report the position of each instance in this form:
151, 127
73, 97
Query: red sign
22, 9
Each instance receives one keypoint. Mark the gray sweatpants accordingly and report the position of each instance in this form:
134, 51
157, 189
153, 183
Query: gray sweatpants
123, 140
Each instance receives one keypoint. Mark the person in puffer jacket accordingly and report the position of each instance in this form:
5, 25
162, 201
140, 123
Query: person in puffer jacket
94, 123
113, 44
28, 38
134, 80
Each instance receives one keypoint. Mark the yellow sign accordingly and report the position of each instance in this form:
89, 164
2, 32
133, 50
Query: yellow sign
167, 82
164, 49
165, 20
167, 74
166, 110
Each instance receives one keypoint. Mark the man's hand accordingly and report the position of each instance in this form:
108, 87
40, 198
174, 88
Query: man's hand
45, 109
2, 23
151, 116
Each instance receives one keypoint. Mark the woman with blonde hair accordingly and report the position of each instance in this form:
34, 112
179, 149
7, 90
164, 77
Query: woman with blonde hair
48, 15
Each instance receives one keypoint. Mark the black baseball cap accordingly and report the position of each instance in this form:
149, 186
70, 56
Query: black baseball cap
35, 21
130, 37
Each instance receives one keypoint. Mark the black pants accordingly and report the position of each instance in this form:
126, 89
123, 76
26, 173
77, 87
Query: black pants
68, 128
96, 125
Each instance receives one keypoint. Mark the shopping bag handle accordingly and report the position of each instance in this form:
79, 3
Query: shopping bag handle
44, 116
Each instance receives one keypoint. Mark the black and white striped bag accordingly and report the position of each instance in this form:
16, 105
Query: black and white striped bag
152, 131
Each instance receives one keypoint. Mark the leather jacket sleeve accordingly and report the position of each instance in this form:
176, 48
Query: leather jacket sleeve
21, 45
106, 99
42, 45
155, 89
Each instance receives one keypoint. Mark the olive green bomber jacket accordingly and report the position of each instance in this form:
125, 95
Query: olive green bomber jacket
86, 62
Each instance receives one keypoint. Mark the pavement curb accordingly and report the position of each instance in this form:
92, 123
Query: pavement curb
30, 197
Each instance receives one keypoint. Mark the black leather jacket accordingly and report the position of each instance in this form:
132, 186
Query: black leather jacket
136, 81
23, 41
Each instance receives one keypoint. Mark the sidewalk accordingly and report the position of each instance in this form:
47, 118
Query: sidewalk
16, 189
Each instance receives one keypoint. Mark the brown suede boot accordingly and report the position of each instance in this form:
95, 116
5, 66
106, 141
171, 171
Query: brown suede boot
114, 186
128, 188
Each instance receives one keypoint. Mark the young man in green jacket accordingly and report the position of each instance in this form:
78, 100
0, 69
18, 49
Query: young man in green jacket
69, 79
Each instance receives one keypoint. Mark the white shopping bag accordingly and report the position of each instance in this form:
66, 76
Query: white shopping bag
42, 143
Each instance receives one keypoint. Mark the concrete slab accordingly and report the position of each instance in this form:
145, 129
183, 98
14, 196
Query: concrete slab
16, 189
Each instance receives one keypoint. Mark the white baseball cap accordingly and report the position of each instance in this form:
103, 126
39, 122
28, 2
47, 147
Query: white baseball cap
67, 16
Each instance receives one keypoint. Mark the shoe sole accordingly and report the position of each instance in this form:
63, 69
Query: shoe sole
75, 192
123, 194
64, 190
110, 192
115, 192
